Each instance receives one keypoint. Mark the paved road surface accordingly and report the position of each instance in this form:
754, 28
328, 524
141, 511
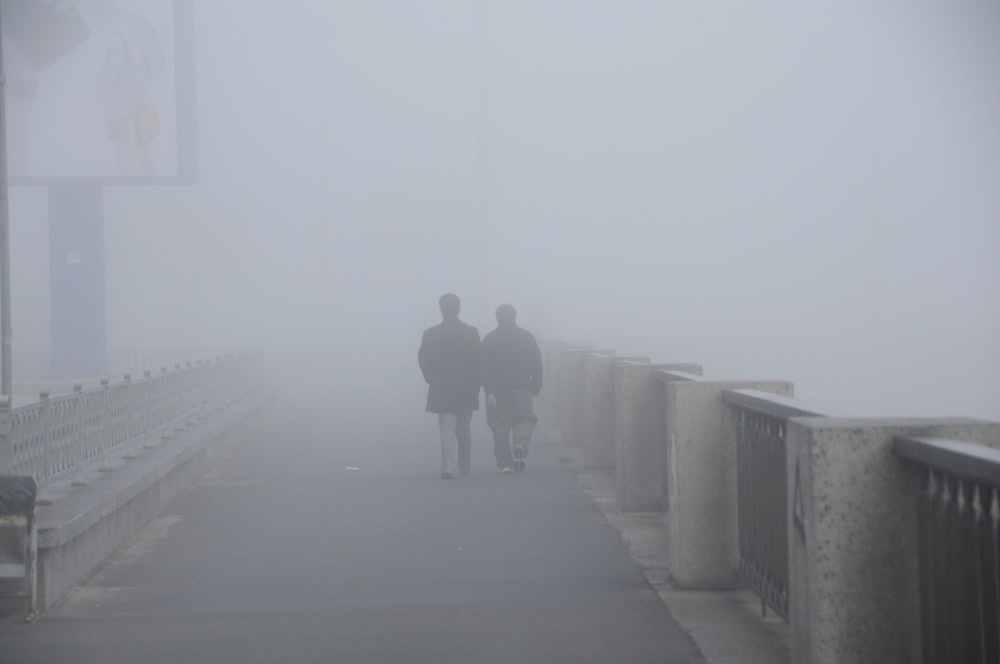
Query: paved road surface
282, 554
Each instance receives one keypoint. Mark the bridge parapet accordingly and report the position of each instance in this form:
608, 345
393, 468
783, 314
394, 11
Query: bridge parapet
812, 510
56, 437
157, 434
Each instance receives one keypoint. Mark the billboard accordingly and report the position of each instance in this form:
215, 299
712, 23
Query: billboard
99, 91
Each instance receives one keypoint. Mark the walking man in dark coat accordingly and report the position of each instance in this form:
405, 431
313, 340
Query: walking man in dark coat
449, 358
513, 377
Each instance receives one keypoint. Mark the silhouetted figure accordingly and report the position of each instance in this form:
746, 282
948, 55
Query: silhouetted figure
450, 361
513, 377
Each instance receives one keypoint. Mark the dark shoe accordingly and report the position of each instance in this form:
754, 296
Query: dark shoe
520, 453
446, 476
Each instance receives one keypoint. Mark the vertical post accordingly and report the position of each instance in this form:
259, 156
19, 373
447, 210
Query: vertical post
5, 325
482, 208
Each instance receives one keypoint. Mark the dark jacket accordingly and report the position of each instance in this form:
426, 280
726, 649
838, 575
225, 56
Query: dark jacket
450, 361
512, 360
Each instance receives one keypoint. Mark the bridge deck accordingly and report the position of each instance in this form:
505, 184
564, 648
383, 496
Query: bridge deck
283, 554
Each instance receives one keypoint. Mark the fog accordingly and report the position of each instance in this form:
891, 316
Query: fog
808, 192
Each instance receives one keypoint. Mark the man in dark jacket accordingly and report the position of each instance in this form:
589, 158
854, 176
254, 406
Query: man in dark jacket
450, 361
513, 376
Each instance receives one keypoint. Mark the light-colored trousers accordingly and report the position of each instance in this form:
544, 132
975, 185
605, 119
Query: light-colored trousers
456, 441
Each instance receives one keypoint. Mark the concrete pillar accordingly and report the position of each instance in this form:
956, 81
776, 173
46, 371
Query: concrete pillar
687, 373
853, 579
573, 395
561, 399
702, 527
640, 434
599, 414
545, 403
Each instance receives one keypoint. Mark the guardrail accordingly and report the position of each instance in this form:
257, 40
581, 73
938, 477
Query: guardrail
812, 510
762, 483
29, 367
959, 560
55, 437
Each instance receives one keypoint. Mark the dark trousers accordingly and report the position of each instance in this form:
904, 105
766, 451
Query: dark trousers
514, 413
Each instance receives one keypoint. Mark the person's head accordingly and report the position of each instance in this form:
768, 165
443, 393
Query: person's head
450, 305
506, 315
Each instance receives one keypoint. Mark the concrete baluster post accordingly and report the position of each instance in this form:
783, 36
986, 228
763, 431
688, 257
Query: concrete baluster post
640, 433
574, 406
854, 590
703, 529
546, 404
684, 373
636, 448
563, 389
599, 411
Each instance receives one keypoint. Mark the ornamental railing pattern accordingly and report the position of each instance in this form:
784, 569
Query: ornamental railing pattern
55, 437
959, 548
762, 486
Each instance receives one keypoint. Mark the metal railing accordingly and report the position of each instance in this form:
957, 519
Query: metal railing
54, 437
32, 366
959, 553
762, 485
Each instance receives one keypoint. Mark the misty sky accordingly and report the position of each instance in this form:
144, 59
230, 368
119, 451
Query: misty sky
803, 191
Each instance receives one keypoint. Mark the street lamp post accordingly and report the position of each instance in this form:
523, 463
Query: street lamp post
5, 328
482, 174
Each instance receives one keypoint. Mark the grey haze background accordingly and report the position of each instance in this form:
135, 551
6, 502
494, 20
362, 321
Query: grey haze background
806, 191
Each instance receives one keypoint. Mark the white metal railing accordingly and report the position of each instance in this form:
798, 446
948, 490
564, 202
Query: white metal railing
54, 437
30, 367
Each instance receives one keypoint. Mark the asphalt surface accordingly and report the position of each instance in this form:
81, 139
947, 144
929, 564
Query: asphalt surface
328, 536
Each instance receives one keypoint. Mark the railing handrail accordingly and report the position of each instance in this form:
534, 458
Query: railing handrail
973, 461
774, 405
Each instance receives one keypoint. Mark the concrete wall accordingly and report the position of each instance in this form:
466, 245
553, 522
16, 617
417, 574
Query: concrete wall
702, 538
854, 589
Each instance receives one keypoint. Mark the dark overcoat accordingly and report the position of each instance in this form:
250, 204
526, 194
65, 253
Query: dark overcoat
450, 361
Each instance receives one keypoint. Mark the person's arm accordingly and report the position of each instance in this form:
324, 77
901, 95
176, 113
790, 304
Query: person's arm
423, 358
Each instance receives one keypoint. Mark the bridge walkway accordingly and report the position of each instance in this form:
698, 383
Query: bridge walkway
285, 552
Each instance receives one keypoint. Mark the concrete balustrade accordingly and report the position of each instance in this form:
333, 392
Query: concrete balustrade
668, 464
568, 389
702, 526
851, 502
546, 404
599, 415
640, 433
103, 463
853, 546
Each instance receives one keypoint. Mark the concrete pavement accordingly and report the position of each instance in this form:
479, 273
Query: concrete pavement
284, 552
